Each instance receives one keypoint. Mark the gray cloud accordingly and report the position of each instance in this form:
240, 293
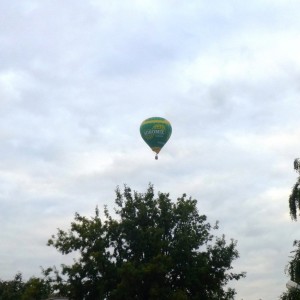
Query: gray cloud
76, 81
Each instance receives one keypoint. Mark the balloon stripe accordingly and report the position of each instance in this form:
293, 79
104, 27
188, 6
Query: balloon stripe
156, 121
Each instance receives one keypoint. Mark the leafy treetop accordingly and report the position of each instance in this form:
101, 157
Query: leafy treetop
153, 249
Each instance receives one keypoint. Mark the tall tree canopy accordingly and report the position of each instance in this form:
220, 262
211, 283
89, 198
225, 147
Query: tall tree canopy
152, 249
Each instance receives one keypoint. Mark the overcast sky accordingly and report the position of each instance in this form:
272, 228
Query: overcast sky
77, 78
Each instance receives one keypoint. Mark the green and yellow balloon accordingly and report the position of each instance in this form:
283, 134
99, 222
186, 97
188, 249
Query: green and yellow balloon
156, 132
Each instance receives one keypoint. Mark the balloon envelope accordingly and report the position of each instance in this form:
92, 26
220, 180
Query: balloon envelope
155, 132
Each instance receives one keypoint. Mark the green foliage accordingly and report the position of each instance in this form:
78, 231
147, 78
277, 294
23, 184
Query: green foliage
153, 249
36, 288
294, 199
291, 295
293, 267
12, 290
293, 270
17, 289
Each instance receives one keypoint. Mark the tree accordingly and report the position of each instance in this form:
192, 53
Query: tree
12, 289
17, 289
152, 249
293, 267
294, 200
37, 289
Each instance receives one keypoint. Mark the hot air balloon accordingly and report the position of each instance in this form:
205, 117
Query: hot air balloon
155, 132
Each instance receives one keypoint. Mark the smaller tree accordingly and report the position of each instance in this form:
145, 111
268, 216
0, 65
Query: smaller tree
17, 289
37, 289
154, 249
12, 289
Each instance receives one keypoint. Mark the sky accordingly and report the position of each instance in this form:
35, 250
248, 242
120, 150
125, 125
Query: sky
77, 78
